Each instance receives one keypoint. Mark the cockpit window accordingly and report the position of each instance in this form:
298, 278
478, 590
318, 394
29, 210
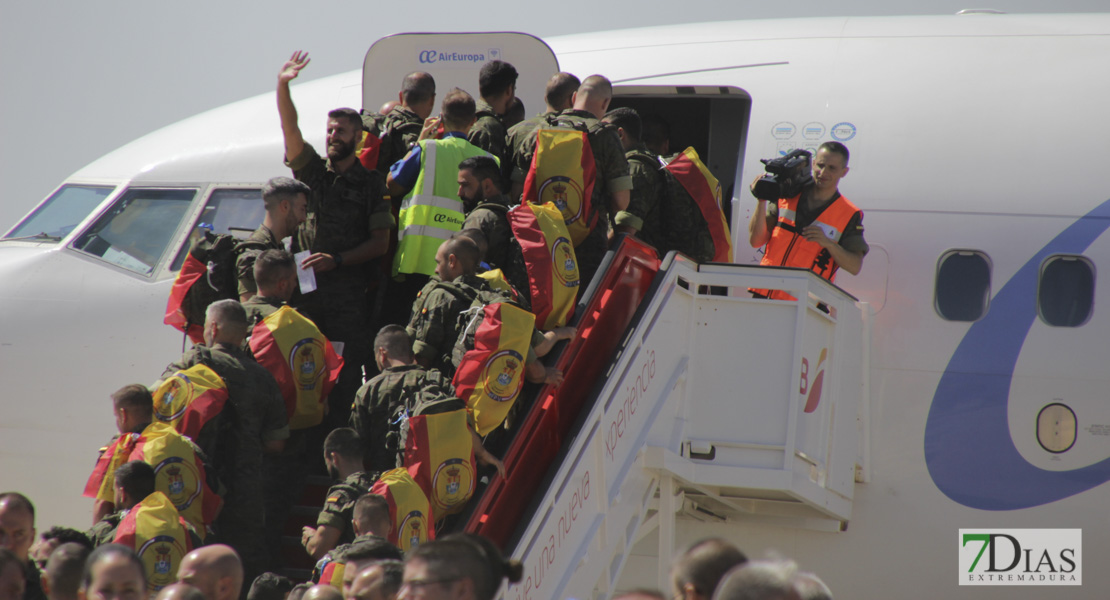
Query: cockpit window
56, 218
135, 231
238, 212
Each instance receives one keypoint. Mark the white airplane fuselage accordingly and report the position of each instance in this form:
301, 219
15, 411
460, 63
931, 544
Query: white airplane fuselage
967, 133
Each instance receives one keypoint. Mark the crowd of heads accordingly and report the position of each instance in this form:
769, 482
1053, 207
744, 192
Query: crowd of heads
459, 566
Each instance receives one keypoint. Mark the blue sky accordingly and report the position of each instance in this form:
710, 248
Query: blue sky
83, 78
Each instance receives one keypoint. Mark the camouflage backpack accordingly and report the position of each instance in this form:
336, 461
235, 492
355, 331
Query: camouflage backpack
208, 274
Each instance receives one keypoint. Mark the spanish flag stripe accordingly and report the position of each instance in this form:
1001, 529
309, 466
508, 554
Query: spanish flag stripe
529, 234
190, 272
408, 508
490, 376
179, 474
564, 156
154, 530
301, 359
702, 185
443, 469
100, 482
561, 260
189, 399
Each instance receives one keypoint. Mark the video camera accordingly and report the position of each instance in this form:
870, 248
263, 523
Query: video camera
786, 176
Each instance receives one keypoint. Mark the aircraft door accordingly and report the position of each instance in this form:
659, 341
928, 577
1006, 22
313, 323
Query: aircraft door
711, 119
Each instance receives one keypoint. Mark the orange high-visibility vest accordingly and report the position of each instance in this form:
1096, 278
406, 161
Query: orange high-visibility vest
787, 247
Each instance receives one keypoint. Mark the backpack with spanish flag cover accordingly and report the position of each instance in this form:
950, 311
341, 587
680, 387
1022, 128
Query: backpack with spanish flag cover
549, 260
563, 172
158, 535
490, 374
439, 450
207, 275
409, 509
191, 401
179, 469
691, 209
302, 361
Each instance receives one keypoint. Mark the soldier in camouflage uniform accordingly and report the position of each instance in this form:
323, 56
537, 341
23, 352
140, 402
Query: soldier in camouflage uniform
557, 96
434, 323
343, 457
347, 227
256, 423
497, 86
134, 481
642, 218
401, 126
276, 275
611, 189
383, 399
286, 203
486, 207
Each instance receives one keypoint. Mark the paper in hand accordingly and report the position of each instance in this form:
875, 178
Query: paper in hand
305, 277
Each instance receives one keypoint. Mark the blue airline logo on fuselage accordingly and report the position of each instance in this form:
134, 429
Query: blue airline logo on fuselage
968, 448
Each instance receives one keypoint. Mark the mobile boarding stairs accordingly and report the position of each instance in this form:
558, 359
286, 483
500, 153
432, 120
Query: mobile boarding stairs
709, 403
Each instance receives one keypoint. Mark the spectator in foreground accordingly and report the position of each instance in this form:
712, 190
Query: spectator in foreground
697, 571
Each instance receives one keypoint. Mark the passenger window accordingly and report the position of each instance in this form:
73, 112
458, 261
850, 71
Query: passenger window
238, 212
1066, 291
963, 287
56, 217
135, 231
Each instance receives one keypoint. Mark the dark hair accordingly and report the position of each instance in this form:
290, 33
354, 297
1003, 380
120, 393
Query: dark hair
269, 586
641, 592
458, 108
759, 579
627, 119
278, 189
65, 535
417, 87
515, 112
835, 148
371, 509
273, 266
133, 396
465, 251
704, 563
20, 501
559, 90
353, 117
482, 167
136, 479
655, 129
345, 442
65, 566
478, 237
495, 77
484, 563
396, 341
105, 552
372, 548
393, 574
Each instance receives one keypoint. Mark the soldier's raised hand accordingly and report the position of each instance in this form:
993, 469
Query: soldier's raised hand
293, 66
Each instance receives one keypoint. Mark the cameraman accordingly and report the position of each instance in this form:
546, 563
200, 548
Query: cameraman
818, 229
